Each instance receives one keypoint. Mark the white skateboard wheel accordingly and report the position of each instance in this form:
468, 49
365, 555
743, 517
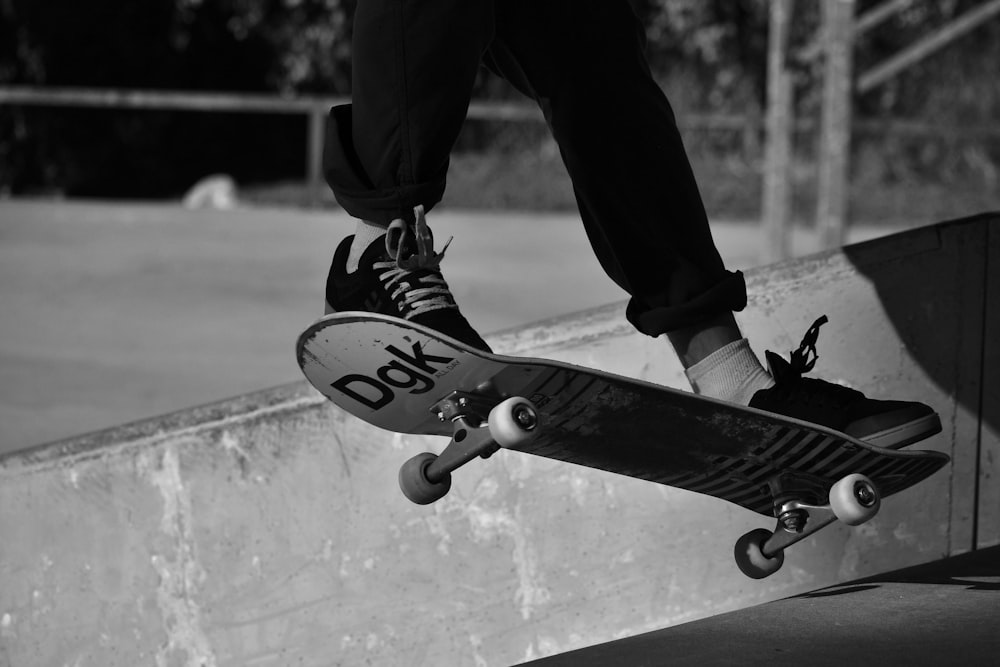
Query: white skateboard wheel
854, 499
513, 422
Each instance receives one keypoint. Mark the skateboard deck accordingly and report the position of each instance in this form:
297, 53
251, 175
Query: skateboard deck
406, 378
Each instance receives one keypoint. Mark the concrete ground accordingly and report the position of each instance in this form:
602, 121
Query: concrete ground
269, 529
942, 613
116, 312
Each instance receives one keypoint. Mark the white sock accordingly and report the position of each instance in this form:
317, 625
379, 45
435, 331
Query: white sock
732, 373
366, 234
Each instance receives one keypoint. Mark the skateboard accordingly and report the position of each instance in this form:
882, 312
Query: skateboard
403, 377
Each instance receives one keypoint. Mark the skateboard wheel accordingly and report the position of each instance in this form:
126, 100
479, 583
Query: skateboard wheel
854, 499
414, 484
513, 422
750, 558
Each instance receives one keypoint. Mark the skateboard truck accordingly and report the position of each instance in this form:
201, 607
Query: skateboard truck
853, 500
508, 423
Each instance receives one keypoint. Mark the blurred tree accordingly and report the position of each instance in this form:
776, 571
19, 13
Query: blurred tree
957, 88
709, 55
721, 45
284, 46
244, 45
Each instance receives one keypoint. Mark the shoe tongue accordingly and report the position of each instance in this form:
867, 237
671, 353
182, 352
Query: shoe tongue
376, 252
412, 246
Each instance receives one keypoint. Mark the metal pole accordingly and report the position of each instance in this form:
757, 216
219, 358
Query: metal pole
835, 131
314, 153
780, 125
937, 40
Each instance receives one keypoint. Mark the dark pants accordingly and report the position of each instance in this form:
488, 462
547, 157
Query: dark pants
415, 62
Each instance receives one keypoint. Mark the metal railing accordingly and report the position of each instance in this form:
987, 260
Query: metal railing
314, 108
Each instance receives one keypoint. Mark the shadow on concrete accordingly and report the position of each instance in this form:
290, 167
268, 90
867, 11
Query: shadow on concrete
939, 287
976, 571
925, 615
843, 590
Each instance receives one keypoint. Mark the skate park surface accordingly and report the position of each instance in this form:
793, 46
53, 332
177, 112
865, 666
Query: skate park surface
113, 312
940, 613
268, 529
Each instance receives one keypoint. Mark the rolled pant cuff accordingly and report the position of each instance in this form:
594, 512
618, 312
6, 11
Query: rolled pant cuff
352, 186
730, 294
384, 207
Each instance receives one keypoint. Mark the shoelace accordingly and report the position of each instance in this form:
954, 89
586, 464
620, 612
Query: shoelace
414, 281
802, 360
397, 242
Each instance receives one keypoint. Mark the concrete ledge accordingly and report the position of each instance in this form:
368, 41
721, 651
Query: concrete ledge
269, 529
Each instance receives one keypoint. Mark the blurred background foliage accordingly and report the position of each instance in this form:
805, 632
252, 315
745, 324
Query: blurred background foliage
709, 55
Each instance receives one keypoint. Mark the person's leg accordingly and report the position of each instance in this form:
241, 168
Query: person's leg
718, 360
414, 63
697, 342
584, 62
386, 154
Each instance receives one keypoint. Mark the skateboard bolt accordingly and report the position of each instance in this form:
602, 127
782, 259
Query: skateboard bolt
525, 417
793, 520
865, 494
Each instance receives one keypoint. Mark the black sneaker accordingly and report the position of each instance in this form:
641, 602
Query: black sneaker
400, 275
891, 424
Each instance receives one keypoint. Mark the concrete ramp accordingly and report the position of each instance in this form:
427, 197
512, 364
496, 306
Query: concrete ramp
268, 530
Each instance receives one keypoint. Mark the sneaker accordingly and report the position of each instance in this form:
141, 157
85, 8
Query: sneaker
891, 424
400, 275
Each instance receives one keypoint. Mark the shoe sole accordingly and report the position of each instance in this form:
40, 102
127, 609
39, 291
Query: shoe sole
904, 434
